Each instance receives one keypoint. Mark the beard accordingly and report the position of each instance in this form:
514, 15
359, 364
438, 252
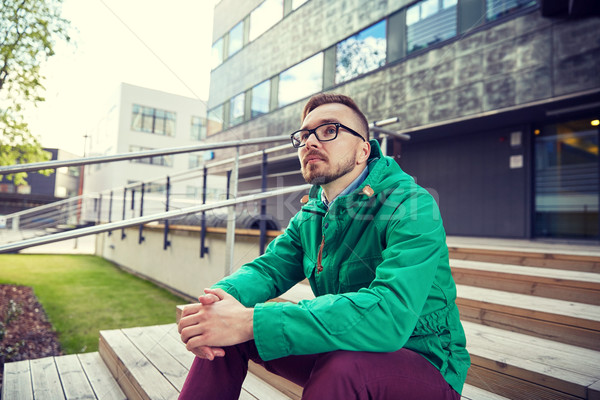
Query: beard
320, 174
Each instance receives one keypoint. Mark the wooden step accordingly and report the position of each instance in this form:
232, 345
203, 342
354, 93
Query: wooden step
585, 260
521, 366
152, 362
474, 393
566, 322
81, 376
575, 286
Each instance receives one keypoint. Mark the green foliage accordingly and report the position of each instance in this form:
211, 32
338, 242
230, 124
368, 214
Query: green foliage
85, 294
12, 312
28, 33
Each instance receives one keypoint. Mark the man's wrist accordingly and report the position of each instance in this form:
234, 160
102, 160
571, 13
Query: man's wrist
250, 324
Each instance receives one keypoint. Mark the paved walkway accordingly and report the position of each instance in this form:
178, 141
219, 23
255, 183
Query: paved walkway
82, 245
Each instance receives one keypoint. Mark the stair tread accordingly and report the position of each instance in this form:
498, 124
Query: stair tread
566, 275
159, 362
529, 302
471, 392
540, 356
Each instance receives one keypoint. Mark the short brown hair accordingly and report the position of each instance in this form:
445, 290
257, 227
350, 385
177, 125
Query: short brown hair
328, 98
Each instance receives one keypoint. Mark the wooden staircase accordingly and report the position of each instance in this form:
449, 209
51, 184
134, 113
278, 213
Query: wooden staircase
533, 331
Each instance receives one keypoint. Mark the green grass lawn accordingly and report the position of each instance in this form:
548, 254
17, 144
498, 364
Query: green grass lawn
85, 294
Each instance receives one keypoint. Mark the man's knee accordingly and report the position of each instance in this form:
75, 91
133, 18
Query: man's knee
340, 364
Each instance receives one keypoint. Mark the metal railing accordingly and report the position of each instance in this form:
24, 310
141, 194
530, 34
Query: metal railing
64, 210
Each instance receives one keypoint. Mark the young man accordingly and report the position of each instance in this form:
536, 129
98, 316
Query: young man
383, 324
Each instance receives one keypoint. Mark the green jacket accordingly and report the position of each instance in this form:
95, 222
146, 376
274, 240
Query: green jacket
381, 280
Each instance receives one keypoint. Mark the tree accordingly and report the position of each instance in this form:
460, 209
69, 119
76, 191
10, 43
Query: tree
29, 30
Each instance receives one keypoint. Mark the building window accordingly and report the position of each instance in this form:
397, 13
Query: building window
195, 160
260, 98
498, 8
265, 16
214, 123
429, 22
301, 80
165, 161
217, 54
153, 187
297, 3
198, 131
152, 120
236, 39
193, 192
361, 53
236, 110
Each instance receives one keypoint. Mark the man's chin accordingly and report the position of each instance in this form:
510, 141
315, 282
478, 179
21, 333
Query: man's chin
316, 179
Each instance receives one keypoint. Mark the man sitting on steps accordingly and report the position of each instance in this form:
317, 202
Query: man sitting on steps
383, 323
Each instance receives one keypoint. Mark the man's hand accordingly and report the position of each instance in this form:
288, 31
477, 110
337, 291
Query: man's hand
219, 320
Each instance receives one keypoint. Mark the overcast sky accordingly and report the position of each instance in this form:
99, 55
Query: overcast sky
156, 44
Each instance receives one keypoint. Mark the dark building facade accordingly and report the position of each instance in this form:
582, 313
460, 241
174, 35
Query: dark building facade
41, 189
501, 99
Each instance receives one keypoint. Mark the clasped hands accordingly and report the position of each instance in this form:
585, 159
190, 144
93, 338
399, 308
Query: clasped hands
219, 320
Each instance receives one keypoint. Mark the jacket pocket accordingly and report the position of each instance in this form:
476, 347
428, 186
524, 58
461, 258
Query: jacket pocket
339, 313
358, 274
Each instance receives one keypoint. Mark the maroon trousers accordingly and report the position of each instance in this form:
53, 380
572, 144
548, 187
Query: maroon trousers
345, 375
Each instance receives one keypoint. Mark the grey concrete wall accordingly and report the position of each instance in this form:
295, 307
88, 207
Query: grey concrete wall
180, 266
315, 26
510, 63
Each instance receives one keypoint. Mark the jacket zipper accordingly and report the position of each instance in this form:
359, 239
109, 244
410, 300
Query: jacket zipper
320, 256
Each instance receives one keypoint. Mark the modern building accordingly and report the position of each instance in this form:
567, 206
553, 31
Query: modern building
140, 119
41, 189
501, 98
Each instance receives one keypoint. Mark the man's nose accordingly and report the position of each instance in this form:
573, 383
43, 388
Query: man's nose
312, 141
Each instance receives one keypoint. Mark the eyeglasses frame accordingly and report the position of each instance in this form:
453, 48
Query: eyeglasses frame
314, 131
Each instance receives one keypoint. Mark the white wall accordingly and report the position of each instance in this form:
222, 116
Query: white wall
180, 266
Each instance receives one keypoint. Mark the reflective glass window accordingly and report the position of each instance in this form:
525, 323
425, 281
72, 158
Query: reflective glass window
214, 123
361, 53
265, 16
429, 22
499, 8
567, 180
198, 129
236, 109
217, 54
236, 38
301, 80
152, 120
260, 98
165, 161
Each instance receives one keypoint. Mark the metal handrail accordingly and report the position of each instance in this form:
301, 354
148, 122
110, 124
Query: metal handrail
145, 219
11, 169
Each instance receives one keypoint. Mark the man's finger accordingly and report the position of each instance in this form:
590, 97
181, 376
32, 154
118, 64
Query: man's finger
220, 293
208, 299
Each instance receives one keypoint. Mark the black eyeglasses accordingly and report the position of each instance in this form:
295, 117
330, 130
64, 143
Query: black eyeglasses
324, 133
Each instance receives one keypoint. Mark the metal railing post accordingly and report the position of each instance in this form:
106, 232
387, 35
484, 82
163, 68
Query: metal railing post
230, 236
263, 205
99, 218
166, 241
110, 201
132, 203
123, 235
203, 248
141, 237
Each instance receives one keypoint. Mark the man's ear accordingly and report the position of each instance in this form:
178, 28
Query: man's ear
364, 152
